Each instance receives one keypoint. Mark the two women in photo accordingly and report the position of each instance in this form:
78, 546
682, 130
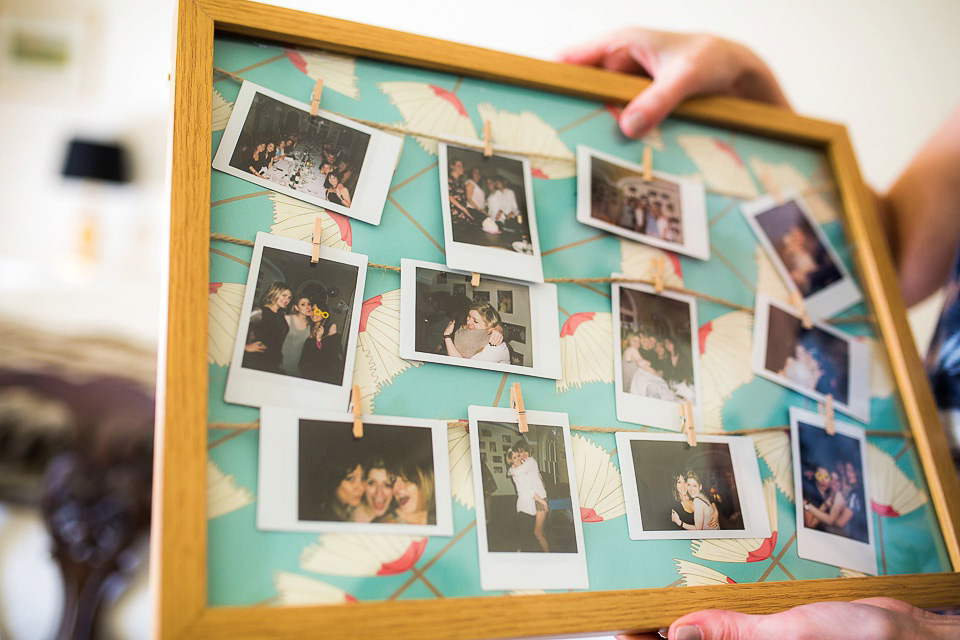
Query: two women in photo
478, 337
532, 505
697, 510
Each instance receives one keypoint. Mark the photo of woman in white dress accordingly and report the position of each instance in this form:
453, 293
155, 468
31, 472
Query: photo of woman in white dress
531, 494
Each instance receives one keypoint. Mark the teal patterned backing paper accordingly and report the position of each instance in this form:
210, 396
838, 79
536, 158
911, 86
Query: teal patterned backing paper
247, 566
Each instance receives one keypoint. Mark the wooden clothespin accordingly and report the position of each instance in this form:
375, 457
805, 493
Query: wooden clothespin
796, 299
475, 280
827, 410
659, 264
315, 98
357, 413
516, 403
647, 174
686, 422
487, 139
317, 232
772, 188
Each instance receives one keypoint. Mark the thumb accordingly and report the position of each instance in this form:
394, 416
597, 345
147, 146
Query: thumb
671, 85
714, 624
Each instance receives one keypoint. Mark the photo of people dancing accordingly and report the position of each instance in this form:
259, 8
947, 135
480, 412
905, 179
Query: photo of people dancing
309, 154
620, 196
487, 200
832, 472
297, 334
656, 358
387, 477
527, 502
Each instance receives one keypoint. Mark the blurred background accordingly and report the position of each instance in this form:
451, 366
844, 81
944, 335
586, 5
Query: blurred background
82, 250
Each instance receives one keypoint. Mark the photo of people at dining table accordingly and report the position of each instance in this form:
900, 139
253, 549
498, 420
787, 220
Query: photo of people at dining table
309, 154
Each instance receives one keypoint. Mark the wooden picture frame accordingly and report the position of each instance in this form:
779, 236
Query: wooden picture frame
179, 541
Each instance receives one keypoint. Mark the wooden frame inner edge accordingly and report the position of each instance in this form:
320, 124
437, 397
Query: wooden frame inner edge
180, 527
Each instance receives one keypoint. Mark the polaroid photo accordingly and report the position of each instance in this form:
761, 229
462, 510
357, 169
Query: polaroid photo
834, 525
669, 212
656, 365
802, 254
326, 160
529, 531
489, 225
297, 337
815, 362
442, 320
315, 476
678, 492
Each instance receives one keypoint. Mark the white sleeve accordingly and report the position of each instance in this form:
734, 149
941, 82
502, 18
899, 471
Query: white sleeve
490, 353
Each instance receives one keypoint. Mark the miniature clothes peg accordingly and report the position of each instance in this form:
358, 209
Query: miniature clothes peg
487, 139
516, 403
647, 173
315, 98
317, 232
357, 413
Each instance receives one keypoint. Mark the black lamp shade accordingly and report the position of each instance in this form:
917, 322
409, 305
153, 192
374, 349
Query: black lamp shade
95, 161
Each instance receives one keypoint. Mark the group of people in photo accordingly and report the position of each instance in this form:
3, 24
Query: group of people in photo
377, 488
656, 364
650, 210
810, 358
293, 335
484, 203
833, 500
806, 260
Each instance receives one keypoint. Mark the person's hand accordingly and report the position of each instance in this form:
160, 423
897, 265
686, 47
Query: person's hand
681, 65
867, 619
332, 330
448, 330
675, 517
496, 337
255, 347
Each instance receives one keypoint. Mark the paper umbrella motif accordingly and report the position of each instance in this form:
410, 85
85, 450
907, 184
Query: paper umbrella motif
892, 493
461, 466
723, 368
719, 165
527, 134
223, 318
224, 495
599, 485
296, 219
769, 281
341, 554
378, 346
221, 111
586, 350
339, 73
429, 109
695, 575
637, 261
773, 447
780, 177
295, 589
746, 549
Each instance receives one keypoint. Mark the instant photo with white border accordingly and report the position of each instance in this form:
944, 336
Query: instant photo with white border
857, 404
490, 260
693, 206
543, 331
256, 388
746, 470
654, 412
279, 474
821, 546
526, 570
828, 300
376, 173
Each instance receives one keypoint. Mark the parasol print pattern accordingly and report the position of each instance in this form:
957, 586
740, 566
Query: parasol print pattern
224, 495
378, 346
780, 177
720, 166
769, 281
723, 367
461, 465
851, 573
892, 494
429, 109
696, 575
226, 300
341, 554
295, 219
221, 111
636, 261
527, 133
746, 549
295, 589
599, 485
773, 447
881, 382
586, 350
339, 73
